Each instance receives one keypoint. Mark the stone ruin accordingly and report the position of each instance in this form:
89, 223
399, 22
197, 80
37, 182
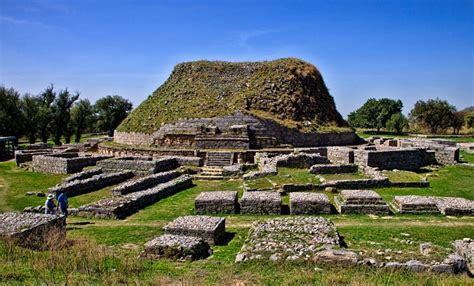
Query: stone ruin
219, 202
140, 166
301, 238
260, 203
186, 238
415, 205
30, 230
210, 229
64, 163
361, 201
309, 203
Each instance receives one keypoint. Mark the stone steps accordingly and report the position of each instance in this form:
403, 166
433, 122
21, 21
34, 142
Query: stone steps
219, 158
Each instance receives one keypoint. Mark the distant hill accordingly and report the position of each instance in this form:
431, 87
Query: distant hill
468, 109
289, 90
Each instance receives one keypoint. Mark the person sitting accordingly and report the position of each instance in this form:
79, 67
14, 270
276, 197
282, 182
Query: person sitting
63, 203
49, 205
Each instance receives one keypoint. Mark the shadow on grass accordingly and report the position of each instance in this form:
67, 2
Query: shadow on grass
226, 238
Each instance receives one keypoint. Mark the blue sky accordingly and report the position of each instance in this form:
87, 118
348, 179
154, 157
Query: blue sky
406, 50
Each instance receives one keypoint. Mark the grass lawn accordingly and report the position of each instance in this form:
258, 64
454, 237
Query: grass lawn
344, 176
466, 157
403, 176
106, 252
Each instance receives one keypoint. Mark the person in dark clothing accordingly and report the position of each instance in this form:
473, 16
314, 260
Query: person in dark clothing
63, 203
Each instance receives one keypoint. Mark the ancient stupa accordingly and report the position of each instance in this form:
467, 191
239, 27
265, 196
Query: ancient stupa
245, 105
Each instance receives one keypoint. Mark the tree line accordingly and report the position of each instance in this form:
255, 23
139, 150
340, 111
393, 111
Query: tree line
58, 114
433, 116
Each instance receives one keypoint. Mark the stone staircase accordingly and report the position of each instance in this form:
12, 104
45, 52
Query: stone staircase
219, 159
210, 174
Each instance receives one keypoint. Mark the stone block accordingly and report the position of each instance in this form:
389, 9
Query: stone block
454, 206
361, 201
260, 202
210, 229
224, 202
415, 205
309, 203
32, 230
176, 247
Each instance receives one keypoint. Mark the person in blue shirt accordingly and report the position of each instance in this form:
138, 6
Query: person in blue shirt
63, 204
49, 205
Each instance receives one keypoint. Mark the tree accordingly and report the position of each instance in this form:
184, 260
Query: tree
396, 123
46, 99
469, 119
111, 110
457, 121
375, 113
82, 114
11, 119
30, 106
435, 114
61, 116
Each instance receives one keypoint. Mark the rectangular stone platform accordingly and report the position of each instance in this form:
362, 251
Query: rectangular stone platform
260, 202
176, 247
31, 230
64, 163
309, 203
361, 201
123, 206
210, 229
224, 202
454, 206
415, 205
296, 238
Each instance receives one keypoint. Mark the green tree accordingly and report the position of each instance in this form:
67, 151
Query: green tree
397, 123
435, 114
46, 99
11, 119
111, 110
61, 116
30, 106
375, 113
82, 114
457, 121
469, 119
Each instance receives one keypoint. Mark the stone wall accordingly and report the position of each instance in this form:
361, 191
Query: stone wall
445, 152
340, 155
333, 168
92, 184
123, 206
36, 231
144, 183
393, 158
141, 166
262, 133
63, 163
83, 175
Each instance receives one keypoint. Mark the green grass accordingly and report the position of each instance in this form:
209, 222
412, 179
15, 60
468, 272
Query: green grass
344, 176
109, 255
15, 183
403, 176
466, 157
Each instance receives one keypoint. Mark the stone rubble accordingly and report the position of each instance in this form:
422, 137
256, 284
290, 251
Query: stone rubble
300, 238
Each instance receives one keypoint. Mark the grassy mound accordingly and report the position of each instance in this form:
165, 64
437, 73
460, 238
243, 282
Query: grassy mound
289, 91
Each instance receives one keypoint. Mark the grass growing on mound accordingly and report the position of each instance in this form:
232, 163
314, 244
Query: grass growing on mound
345, 176
288, 90
402, 176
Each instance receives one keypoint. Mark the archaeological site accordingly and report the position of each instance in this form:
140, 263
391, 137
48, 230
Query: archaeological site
244, 164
